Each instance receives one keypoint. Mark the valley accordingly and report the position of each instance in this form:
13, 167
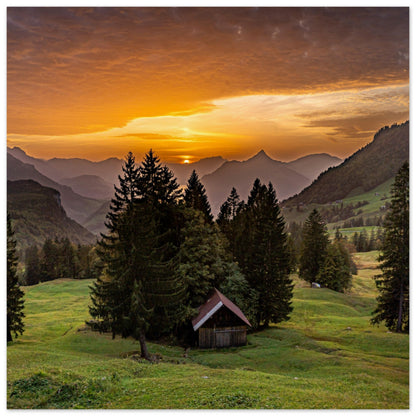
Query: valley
326, 356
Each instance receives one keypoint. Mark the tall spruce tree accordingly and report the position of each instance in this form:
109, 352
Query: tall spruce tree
315, 242
156, 183
195, 197
393, 283
263, 256
138, 291
228, 219
159, 189
111, 292
15, 301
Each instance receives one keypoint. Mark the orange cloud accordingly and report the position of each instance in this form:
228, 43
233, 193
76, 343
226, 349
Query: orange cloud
82, 70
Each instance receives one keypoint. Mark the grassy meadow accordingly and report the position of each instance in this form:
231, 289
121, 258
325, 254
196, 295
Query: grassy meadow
326, 356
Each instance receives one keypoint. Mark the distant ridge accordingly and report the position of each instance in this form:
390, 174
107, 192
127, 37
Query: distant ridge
367, 168
37, 214
202, 167
241, 175
76, 206
60, 168
91, 186
312, 166
288, 178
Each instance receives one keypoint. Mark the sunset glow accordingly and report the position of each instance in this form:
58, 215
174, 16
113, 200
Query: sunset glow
197, 82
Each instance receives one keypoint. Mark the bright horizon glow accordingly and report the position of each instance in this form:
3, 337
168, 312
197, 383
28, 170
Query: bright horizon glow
277, 122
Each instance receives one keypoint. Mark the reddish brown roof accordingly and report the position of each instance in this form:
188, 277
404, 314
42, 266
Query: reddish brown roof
214, 303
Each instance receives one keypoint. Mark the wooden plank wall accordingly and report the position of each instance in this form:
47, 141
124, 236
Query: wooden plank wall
222, 337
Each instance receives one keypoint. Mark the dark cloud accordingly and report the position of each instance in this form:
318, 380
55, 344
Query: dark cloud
84, 67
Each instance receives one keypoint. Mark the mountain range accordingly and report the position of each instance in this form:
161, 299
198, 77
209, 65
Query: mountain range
288, 178
364, 170
59, 168
86, 187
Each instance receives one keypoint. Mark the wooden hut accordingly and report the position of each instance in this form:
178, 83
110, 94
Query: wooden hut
220, 323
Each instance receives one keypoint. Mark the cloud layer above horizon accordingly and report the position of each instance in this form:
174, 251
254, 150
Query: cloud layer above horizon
203, 81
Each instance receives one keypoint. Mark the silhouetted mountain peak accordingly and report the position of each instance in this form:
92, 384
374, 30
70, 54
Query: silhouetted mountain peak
262, 155
16, 149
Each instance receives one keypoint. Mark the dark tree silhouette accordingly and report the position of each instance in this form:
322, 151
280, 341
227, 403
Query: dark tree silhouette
262, 253
196, 198
393, 283
314, 247
15, 301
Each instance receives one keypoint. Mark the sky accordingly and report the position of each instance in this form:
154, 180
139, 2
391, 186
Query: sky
198, 82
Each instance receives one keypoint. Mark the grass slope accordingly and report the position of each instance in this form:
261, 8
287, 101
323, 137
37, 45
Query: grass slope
326, 356
376, 198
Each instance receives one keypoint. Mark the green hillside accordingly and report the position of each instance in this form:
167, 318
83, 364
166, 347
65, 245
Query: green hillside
366, 169
326, 356
37, 214
372, 204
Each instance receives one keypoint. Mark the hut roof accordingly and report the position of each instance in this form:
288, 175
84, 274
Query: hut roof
212, 305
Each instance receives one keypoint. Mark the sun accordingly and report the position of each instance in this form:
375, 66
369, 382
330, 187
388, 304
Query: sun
186, 161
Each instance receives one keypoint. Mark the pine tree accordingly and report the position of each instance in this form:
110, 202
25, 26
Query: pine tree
111, 292
138, 291
159, 189
49, 261
262, 253
196, 198
15, 301
314, 247
393, 283
230, 208
363, 241
32, 266
68, 260
228, 220
156, 183
204, 262
335, 271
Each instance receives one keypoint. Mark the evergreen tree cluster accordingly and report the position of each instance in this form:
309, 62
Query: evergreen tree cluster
162, 256
360, 222
321, 261
259, 244
367, 242
60, 259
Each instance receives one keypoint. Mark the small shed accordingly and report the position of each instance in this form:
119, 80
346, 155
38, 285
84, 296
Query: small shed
220, 323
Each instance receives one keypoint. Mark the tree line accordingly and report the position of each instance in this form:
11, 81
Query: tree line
59, 258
